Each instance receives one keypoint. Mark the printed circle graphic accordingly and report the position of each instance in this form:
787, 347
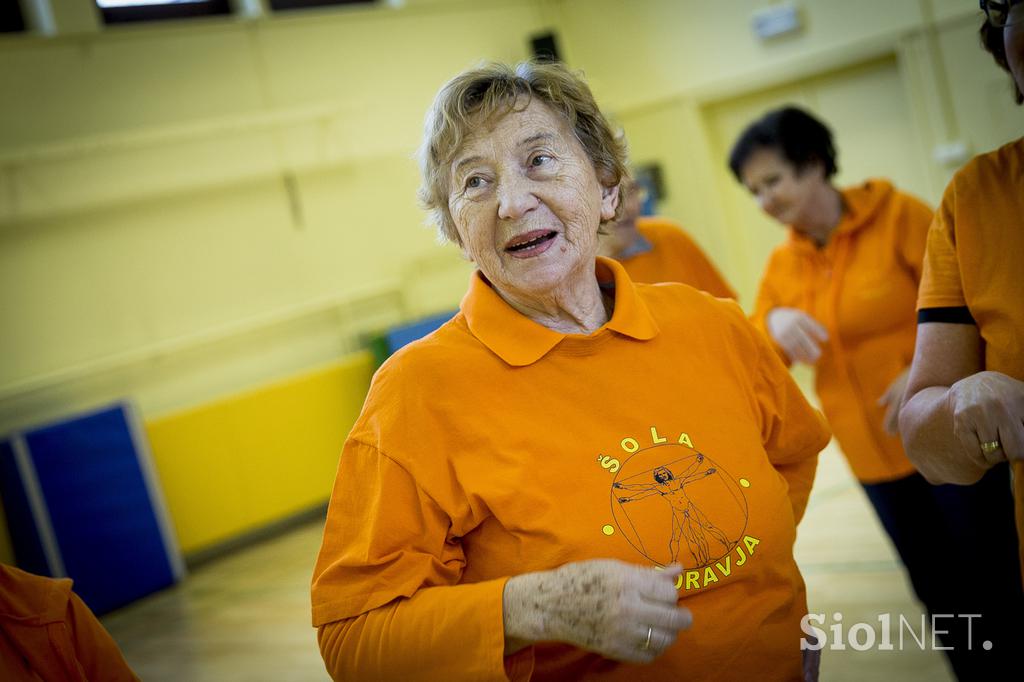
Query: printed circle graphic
674, 504
608, 530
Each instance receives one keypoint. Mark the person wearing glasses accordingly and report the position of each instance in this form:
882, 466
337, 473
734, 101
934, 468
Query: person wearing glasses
655, 249
964, 409
839, 295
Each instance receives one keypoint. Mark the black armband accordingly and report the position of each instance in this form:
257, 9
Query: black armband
955, 315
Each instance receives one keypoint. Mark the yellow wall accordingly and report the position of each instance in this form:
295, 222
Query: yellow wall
236, 464
173, 195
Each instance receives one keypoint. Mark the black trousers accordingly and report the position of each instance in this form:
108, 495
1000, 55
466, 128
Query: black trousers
959, 546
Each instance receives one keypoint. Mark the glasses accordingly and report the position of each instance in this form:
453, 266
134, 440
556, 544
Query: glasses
1002, 13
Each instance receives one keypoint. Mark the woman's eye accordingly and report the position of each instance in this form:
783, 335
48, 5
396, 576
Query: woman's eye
474, 182
539, 160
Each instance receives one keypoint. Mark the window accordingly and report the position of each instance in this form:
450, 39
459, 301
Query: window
278, 5
123, 11
11, 20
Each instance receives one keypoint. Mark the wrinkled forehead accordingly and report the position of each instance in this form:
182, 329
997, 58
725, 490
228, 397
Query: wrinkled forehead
764, 161
510, 126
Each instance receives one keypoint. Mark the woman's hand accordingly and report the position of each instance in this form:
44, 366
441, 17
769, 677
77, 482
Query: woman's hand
621, 611
988, 407
799, 334
891, 400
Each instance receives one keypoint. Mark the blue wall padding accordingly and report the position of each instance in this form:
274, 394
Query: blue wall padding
100, 508
28, 550
407, 333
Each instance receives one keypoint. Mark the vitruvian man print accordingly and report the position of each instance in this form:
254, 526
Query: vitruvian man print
674, 504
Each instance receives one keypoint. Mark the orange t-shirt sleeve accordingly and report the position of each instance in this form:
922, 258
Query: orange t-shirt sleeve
793, 432
917, 217
385, 588
768, 299
941, 286
440, 633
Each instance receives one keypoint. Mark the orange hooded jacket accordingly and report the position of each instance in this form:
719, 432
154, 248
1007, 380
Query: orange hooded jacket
862, 287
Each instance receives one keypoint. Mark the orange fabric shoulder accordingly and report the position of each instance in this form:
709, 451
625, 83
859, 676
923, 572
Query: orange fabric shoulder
32, 598
675, 257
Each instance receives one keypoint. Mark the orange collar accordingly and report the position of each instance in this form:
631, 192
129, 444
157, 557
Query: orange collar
520, 341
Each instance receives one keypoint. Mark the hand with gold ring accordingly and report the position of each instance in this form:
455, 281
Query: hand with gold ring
988, 417
990, 450
647, 642
621, 611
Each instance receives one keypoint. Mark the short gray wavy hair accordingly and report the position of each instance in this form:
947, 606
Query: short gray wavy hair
478, 94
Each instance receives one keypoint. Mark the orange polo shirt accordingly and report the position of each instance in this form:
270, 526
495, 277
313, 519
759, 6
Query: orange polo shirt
48, 633
862, 287
496, 446
974, 259
673, 256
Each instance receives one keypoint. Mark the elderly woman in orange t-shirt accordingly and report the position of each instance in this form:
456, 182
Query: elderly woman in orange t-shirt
577, 477
839, 294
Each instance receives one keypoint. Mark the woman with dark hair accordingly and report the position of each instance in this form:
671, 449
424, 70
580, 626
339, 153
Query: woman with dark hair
964, 413
839, 295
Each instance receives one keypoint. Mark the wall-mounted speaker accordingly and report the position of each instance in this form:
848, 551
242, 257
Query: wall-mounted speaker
545, 47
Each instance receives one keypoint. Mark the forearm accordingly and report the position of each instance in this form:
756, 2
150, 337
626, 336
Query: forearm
450, 633
926, 424
523, 624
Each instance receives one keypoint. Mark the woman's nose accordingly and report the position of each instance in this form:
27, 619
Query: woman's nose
515, 198
763, 201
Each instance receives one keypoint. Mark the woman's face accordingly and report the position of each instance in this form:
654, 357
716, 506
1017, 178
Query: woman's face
782, 191
526, 201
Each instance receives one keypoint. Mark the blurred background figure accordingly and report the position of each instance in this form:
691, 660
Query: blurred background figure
658, 250
47, 633
964, 411
839, 295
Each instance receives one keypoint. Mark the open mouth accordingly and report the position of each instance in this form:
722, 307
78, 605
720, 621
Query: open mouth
531, 243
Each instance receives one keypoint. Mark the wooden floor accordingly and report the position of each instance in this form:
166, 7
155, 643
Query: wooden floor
246, 617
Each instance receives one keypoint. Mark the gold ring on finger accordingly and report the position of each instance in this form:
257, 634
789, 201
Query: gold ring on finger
990, 447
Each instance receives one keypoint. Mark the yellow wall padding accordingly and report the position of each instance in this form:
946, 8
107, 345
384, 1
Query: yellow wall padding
238, 463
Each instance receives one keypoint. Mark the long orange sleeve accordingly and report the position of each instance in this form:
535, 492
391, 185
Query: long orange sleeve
768, 298
457, 629
793, 452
